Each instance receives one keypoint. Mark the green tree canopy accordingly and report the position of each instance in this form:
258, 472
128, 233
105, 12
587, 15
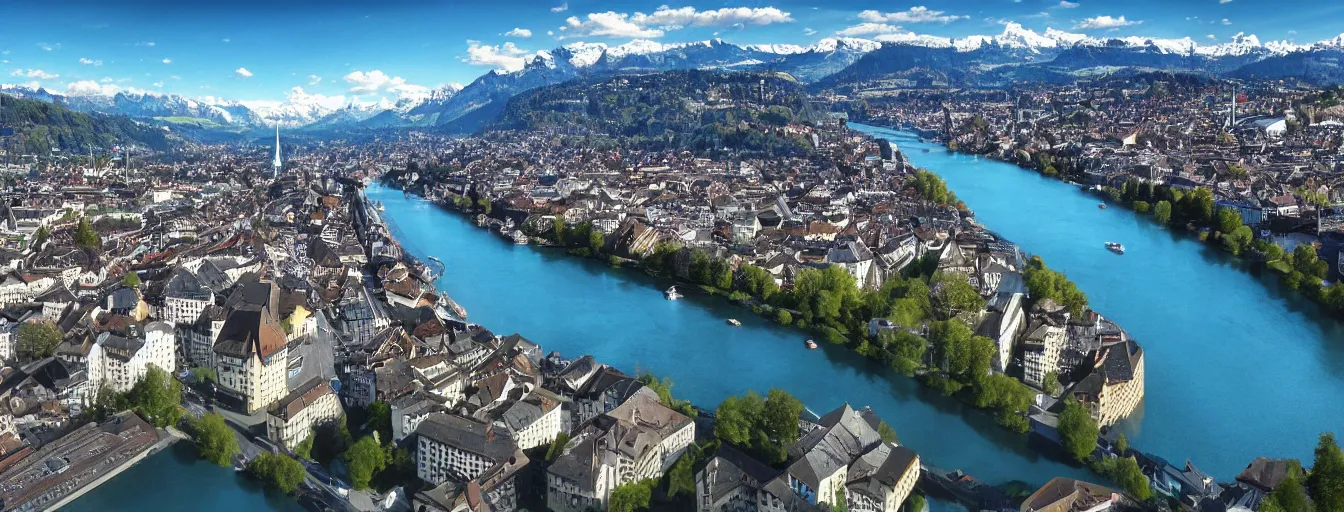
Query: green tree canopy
156, 397
85, 236
131, 279
215, 439
1078, 430
1326, 480
38, 340
380, 420
362, 460
632, 496
1162, 212
1044, 283
278, 471
763, 427
954, 295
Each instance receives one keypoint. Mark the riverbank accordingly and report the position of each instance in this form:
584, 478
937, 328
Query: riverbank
1301, 273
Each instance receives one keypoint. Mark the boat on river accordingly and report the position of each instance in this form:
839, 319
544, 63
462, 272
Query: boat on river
518, 237
734, 322
1101, 205
672, 294
1115, 247
811, 345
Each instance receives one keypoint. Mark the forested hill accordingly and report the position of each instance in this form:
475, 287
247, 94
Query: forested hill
701, 111
40, 126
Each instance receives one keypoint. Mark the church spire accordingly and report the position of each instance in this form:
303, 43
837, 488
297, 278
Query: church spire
276, 163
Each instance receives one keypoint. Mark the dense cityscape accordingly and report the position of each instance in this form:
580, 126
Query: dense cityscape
778, 291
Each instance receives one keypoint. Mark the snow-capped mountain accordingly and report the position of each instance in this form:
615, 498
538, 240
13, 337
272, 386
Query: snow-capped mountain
1014, 55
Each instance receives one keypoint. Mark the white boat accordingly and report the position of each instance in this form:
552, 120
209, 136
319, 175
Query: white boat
518, 237
1101, 205
734, 322
811, 345
1115, 247
672, 294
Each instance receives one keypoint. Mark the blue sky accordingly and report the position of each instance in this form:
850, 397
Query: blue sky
263, 50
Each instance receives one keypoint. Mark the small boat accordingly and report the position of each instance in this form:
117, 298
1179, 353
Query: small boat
518, 237
1101, 205
926, 150
1115, 247
734, 322
811, 345
672, 294
378, 206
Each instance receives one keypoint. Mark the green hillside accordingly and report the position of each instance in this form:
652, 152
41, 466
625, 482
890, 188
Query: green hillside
40, 127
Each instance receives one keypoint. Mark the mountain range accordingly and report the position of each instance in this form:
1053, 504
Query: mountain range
1017, 55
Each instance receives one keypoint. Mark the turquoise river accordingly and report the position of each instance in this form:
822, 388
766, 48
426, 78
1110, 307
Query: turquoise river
1235, 368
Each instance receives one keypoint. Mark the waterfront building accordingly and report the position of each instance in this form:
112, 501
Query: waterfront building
451, 448
1067, 495
640, 439
735, 482
121, 361
1040, 352
535, 420
1115, 387
250, 356
293, 417
50, 477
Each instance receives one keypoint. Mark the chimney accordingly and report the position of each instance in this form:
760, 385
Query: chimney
489, 432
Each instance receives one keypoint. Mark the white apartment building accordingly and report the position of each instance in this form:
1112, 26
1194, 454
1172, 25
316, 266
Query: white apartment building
121, 361
293, 417
453, 448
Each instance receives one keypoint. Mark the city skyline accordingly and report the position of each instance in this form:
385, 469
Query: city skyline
316, 54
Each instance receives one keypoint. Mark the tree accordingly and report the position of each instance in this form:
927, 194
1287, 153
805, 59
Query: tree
783, 317
362, 460
632, 496
758, 282
85, 236
215, 439
954, 295
131, 279
951, 340
41, 236
1044, 283
557, 446
38, 339
1126, 472
1051, 383
380, 420
1228, 220
156, 397
1306, 261
1122, 444
1162, 212
663, 388
841, 503
304, 450
1289, 496
1141, 206
762, 427
1078, 430
484, 203
681, 478
887, 433
201, 374
1326, 480
780, 420
277, 470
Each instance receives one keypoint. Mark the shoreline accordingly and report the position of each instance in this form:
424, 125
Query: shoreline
1252, 266
168, 439
1037, 443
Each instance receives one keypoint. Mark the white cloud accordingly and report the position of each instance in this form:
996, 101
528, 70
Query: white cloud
90, 62
1226, 21
243, 72
145, 43
664, 19
175, 77
1211, 37
34, 73
91, 88
673, 19
1066, 4
1224, 1
917, 14
507, 56
519, 32
1103, 22
608, 24
314, 79
550, 32
561, 8
807, 31
106, 80
226, 40
167, 61
49, 47
157, 84
374, 81
864, 29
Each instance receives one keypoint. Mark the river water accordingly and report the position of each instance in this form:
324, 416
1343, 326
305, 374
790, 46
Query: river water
1235, 368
